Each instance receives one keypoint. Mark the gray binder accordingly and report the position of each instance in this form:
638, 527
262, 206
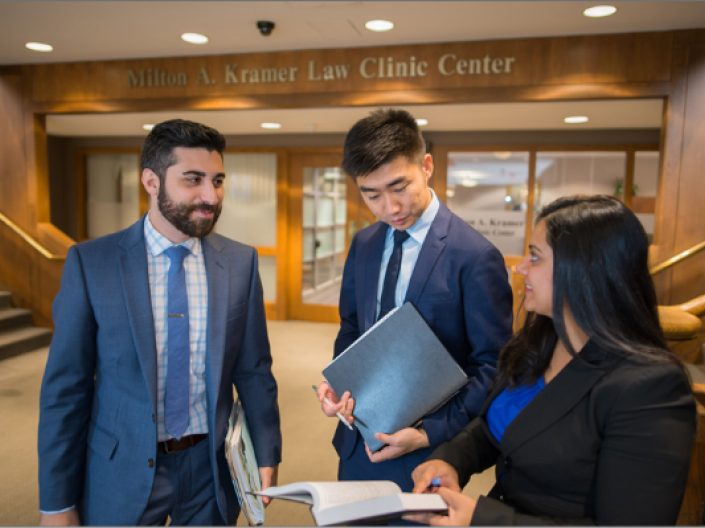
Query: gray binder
397, 372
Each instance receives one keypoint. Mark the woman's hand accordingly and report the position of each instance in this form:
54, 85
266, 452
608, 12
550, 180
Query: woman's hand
424, 474
460, 510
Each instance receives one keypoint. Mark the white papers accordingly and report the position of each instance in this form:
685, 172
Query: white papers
244, 469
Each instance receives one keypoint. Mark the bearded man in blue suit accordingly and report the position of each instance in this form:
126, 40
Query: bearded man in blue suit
134, 403
453, 276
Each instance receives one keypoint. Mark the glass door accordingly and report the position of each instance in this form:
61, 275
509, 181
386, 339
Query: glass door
318, 244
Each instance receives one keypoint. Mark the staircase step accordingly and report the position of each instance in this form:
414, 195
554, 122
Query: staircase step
16, 342
5, 300
12, 318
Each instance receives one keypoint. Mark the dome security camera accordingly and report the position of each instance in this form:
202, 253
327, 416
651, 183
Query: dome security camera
265, 27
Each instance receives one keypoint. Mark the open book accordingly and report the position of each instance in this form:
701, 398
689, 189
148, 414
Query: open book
356, 502
243, 466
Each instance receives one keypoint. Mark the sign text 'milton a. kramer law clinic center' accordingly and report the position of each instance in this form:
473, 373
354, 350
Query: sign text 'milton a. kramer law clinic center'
375, 68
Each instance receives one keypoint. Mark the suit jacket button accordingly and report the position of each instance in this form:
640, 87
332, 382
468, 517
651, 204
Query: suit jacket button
508, 463
150, 462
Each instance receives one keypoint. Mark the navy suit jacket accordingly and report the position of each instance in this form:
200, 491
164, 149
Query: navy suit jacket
460, 287
97, 429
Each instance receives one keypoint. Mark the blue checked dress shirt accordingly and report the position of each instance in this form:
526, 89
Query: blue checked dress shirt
197, 289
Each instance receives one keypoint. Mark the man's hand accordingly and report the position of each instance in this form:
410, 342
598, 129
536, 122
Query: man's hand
398, 444
460, 510
68, 518
344, 405
424, 474
269, 477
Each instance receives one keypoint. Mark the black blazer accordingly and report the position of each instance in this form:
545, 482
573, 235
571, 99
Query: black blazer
607, 442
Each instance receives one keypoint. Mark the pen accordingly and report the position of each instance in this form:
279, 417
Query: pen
435, 482
340, 416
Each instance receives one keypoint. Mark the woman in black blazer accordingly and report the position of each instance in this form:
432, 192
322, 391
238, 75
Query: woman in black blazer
592, 419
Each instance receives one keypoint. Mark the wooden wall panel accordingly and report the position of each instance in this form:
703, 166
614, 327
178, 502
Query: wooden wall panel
541, 62
689, 276
13, 174
679, 212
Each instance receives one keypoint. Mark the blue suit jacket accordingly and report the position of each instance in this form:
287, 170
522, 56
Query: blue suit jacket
97, 428
460, 287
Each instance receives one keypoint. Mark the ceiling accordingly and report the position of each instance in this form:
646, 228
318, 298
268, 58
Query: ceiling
86, 30
644, 113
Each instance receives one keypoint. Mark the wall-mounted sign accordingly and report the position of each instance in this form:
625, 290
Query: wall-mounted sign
416, 74
370, 68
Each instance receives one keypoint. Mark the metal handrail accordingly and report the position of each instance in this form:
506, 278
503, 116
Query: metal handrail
31, 241
697, 248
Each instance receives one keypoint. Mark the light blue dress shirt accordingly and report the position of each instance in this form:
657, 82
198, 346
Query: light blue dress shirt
410, 252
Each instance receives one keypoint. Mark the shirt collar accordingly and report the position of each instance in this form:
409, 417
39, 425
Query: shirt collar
419, 230
158, 243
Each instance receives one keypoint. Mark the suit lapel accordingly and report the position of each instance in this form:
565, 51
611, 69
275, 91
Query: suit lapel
557, 398
432, 248
135, 280
372, 261
217, 275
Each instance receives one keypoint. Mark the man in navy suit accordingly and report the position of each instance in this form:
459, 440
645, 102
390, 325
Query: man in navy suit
422, 253
134, 403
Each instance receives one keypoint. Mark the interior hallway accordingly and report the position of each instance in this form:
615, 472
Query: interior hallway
300, 349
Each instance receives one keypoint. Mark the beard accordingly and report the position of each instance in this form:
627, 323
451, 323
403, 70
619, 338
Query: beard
179, 215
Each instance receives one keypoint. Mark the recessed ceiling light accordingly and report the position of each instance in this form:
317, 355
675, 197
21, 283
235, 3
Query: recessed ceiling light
148, 127
271, 126
194, 38
600, 11
576, 119
38, 46
469, 183
379, 25
422, 122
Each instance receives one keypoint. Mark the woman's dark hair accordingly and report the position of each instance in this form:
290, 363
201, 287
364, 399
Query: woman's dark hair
381, 138
158, 149
601, 274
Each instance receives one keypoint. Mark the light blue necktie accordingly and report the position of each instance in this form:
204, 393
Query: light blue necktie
176, 410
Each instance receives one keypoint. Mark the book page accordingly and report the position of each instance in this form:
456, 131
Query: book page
388, 508
335, 493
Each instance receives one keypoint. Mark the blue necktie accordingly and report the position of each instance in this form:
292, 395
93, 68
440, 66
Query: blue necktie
176, 409
392, 276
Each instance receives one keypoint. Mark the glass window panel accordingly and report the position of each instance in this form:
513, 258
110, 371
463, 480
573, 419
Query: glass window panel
324, 207
325, 271
489, 190
325, 237
340, 210
250, 198
309, 211
327, 179
268, 274
567, 173
307, 277
113, 185
325, 211
309, 179
646, 172
340, 239
309, 241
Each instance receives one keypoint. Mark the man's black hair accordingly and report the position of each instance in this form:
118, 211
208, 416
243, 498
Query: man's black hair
158, 148
380, 138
